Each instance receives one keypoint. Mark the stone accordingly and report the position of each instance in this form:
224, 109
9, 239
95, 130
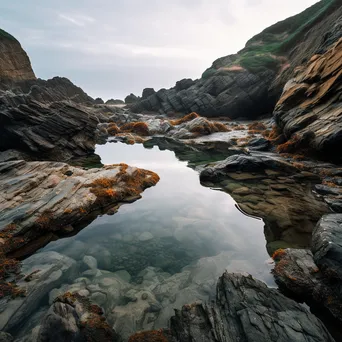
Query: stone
15, 64
246, 310
148, 92
246, 163
129, 99
53, 269
297, 274
73, 318
145, 236
90, 261
327, 245
310, 106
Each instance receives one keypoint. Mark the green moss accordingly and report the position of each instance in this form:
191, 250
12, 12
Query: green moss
4, 34
261, 51
208, 73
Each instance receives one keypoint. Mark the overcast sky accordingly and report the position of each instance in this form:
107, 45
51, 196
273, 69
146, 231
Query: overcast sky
113, 47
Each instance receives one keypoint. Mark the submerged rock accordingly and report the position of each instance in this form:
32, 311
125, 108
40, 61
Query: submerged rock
72, 318
48, 269
245, 310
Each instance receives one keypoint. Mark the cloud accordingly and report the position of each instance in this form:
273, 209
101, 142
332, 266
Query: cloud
78, 20
112, 48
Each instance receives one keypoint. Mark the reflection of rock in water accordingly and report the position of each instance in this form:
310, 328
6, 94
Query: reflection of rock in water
267, 187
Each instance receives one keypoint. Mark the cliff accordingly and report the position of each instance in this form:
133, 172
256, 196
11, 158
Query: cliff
15, 65
249, 83
309, 112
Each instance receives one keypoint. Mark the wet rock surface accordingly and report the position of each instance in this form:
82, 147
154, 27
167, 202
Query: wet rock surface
245, 309
271, 188
297, 274
50, 269
73, 318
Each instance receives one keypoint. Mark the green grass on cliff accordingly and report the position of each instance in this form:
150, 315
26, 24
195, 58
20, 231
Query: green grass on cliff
261, 51
4, 34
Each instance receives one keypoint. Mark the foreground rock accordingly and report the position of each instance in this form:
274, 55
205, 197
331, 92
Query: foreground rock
39, 199
315, 276
244, 310
73, 318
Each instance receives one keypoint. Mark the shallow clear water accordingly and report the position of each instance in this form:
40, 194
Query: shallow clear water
173, 244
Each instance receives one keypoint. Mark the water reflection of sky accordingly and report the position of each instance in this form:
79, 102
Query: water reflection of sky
197, 216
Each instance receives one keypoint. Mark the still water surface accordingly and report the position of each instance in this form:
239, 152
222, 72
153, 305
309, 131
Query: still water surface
166, 249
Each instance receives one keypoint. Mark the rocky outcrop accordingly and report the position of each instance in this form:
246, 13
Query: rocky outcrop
98, 101
56, 131
315, 276
115, 102
131, 98
309, 111
244, 310
327, 246
267, 186
15, 65
53, 90
148, 92
249, 83
43, 199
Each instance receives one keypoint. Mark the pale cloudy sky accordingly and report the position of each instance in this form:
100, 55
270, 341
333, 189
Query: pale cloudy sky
113, 47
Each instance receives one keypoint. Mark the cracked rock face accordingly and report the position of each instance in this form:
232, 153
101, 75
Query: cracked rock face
310, 107
245, 310
327, 245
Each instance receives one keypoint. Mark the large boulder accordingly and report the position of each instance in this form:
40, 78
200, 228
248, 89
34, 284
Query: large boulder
245, 310
148, 92
131, 98
327, 245
256, 162
72, 318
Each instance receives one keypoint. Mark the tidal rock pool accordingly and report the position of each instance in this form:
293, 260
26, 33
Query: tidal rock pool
154, 255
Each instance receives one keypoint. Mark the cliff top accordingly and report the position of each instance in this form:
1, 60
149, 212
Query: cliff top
6, 35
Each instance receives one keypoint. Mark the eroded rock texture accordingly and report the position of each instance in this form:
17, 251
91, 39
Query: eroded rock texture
310, 109
40, 198
244, 310
56, 131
